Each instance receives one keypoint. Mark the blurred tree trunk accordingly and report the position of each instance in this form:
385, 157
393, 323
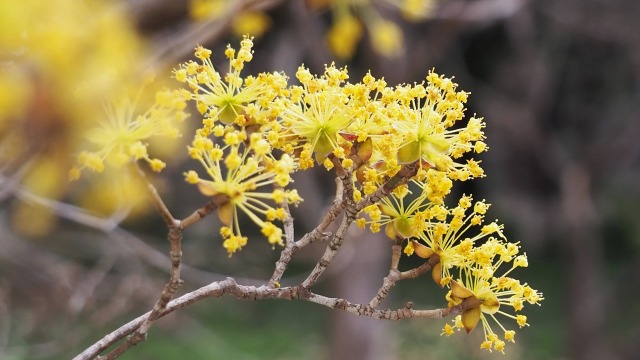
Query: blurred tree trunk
586, 291
363, 263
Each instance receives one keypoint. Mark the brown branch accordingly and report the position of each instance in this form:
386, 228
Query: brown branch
175, 240
387, 314
345, 183
343, 202
331, 250
175, 228
395, 276
426, 267
396, 253
288, 251
338, 206
351, 212
158, 203
289, 231
316, 234
346, 177
230, 287
212, 290
205, 210
388, 281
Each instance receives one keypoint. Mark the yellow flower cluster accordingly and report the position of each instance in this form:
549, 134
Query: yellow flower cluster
494, 292
448, 233
59, 63
120, 138
257, 131
240, 166
370, 128
471, 257
56, 62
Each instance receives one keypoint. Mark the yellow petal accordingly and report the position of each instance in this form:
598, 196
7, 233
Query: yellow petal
423, 251
460, 291
470, 318
206, 189
409, 152
360, 173
436, 274
439, 143
388, 210
228, 114
225, 214
490, 303
390, 231
323, 146
320, 158
365, 150
403, 227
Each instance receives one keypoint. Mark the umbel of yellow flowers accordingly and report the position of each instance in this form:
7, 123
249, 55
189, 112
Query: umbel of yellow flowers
256, 131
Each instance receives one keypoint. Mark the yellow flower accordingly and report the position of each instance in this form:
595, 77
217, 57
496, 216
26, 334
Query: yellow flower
414, 10
344, 35
229, 97
494, 294
61, 61
450, 238
119, 139
254, 23
206, 9
386, 37
425, 127
246, 172
402, 213
317, 111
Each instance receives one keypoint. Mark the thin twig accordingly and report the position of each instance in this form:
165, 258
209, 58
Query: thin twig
346, 185
212, 290
344, 202
288, 251
388, 282
316, 234
396, 253
175, 228
388, 314
175, 254
351, 212
338, 206
426, 267
203, 211
287, 223
395, 276
331, 250
230, 287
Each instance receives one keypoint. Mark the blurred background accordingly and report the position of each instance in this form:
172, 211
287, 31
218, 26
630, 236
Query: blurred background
557, 81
